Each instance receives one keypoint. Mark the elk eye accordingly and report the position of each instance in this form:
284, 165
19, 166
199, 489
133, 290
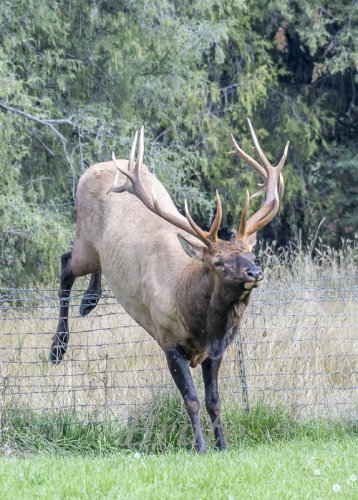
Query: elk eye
218, 263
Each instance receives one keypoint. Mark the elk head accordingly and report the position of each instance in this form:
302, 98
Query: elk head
231, 261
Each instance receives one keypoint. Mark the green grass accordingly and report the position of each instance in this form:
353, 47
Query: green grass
162, 426
300, 468
272, 454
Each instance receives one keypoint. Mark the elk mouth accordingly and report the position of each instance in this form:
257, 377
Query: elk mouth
248, 285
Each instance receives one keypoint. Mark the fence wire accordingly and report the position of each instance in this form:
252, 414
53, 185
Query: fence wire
298, 346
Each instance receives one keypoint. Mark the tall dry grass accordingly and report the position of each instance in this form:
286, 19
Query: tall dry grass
299, 342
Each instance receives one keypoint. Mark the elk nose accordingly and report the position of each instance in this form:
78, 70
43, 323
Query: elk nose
253, 273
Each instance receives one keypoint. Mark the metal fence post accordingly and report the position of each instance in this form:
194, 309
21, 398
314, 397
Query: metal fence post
242, 374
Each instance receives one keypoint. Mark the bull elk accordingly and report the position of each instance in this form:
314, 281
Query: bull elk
186, 287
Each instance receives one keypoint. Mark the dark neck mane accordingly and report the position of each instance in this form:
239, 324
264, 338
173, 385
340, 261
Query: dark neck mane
210, 309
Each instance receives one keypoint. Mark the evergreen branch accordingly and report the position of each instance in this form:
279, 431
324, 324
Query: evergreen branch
42, 121
45, 121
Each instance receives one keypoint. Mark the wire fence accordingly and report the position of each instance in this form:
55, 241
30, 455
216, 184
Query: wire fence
298, 346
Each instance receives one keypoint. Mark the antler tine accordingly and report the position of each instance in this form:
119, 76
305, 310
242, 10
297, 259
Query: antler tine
278, 169
132, 152
259, 151
132, 184
210, 236
124, 187
128, 173
281, 186
119, 169
283, 158
242, 227
271, 203
116, 179
254, 164
140, 149
213, 232
262, 217
203, 235
259, 192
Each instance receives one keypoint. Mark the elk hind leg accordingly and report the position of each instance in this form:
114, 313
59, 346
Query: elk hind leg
60, 339
92, 294
210, 369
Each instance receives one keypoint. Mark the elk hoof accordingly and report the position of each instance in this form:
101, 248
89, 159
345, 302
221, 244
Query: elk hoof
57, 351
89, 302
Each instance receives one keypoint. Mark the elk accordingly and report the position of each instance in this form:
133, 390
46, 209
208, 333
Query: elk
186, 287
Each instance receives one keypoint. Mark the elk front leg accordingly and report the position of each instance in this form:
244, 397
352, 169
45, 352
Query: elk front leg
210, 369
179, 368
92, 294
60, 339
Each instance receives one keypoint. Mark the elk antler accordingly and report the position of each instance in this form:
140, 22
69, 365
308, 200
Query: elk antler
273, 185
134, 185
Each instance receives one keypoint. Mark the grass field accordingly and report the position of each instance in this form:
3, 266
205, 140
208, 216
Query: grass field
301, 469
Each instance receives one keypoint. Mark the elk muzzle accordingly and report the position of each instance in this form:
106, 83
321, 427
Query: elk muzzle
252, 276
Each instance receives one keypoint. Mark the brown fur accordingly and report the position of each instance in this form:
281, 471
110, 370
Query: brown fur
178, 300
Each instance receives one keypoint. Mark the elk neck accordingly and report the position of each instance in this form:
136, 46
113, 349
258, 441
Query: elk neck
209, 308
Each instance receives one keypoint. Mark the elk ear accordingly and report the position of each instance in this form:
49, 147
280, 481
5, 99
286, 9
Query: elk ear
194, 251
